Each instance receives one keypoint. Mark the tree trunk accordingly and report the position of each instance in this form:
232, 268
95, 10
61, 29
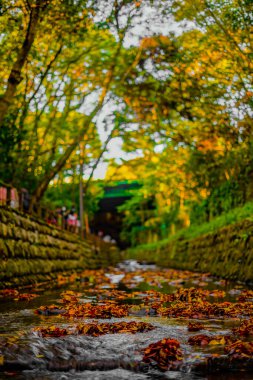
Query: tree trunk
43, 185
15, 76
81, 190
109, 137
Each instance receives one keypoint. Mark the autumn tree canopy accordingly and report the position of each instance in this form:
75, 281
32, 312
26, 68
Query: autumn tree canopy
173, 79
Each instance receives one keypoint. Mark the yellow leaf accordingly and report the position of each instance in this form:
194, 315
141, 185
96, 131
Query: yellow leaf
223, 341
214, 342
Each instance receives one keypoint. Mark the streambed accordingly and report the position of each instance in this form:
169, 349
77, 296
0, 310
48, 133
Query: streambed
27, 354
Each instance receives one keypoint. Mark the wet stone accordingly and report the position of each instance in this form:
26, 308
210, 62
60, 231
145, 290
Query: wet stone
148, 292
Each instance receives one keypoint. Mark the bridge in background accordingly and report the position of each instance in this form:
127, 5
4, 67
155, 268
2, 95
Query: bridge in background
107, 219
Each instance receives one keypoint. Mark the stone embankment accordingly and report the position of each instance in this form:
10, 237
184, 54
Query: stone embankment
32, 251
226, 253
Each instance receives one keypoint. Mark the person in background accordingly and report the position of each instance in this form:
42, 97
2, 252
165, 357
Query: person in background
76, 223
78, 226
59, 216
64, 214
72, 210
51, 219
72, 219
107, 238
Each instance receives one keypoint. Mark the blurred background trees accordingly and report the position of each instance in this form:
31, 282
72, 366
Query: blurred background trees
171, 79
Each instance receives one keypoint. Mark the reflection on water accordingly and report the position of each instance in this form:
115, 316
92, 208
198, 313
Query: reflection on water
108, 356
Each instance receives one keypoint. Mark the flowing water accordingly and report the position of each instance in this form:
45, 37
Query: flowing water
27, 355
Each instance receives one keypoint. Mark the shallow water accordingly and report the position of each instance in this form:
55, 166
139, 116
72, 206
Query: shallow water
29, 356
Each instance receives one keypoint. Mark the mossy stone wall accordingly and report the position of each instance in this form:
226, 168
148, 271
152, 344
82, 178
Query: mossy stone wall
226, 253
32, 251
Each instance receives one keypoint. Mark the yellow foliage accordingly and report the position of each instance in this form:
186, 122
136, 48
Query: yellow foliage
149, 42
155, 159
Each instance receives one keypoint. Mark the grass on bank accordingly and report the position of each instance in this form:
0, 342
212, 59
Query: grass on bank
236, 215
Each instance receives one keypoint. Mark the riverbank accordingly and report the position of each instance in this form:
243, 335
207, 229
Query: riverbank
223, 247
33, 251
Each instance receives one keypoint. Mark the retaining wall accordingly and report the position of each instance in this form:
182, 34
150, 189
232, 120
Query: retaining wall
226, 253
32, 251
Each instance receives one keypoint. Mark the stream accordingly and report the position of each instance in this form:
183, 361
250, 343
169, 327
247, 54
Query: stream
140, 289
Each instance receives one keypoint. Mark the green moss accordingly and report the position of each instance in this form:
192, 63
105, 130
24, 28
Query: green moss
227, 252
4, 253
32, 251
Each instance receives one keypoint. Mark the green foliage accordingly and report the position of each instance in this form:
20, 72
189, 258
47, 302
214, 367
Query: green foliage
181, 101
135, 214
233, 216
222, 199
191, 98
62, 62
67, 194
